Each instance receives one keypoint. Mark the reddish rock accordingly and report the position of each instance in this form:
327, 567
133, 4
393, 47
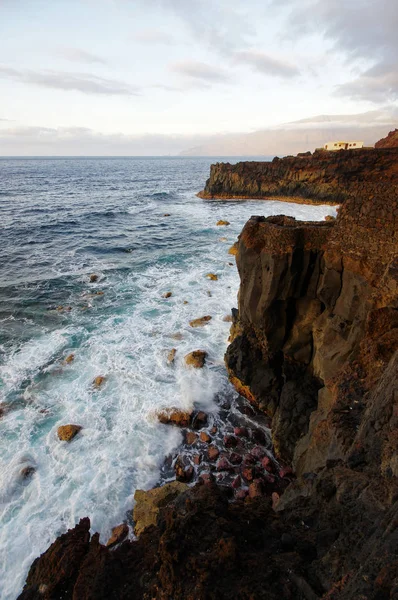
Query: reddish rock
235, 458
269, 478
230, 441
259, 436
183, 473
248, 473
213, 430
204, 437
197, 459
119, 533
206, 478
200, 322
237, 482
285, 472
258, 452
267, 463
241, 431
256, 489
199, 420
224, 465
213, 453
191, 437
249, 459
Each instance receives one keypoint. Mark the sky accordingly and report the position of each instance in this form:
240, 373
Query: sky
133, 76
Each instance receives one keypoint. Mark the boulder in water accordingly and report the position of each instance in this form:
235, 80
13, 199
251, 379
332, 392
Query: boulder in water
167, 295
171, 356
93, 278
222, 223
212, 276
99, 381
196, 359
174, 416
69, 359
200, 322
66, 433
148, 503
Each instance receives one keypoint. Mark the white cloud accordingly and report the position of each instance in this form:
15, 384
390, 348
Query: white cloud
80, 56
266, 64
200, 71
82, 82
154, 36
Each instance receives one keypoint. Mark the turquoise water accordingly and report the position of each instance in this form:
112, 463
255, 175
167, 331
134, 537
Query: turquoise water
62, 220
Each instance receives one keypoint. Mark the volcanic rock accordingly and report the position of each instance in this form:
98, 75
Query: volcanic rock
66, 433
196, 359
200, 322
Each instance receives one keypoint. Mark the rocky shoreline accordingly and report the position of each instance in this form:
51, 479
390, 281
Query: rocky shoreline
314, 348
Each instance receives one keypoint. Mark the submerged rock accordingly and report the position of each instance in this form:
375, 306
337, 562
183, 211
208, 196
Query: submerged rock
148, 504
93, 278
69, 359
66, 433
200, 322
196, 359
99, 381
171, 355
228, 319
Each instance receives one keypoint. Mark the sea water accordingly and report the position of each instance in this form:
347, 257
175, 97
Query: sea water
60, 221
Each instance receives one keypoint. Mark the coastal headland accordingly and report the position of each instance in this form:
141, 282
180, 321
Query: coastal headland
314, 349
319, 178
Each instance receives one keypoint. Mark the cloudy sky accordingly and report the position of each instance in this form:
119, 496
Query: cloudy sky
131, 75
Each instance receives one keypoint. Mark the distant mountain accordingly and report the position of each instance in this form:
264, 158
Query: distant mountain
300, 136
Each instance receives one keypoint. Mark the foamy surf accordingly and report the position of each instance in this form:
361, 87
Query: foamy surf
124, 336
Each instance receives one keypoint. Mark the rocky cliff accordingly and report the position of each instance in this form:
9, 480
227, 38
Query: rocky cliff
314, 344
390, 141
323, 177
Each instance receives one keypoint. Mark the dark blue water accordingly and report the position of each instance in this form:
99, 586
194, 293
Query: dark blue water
62, 220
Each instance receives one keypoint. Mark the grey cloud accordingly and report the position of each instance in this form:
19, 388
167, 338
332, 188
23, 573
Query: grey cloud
266, 64
81, 56
362, 30
82, 82
200, 71
154, 36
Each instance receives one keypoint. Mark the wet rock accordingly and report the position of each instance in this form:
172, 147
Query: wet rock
258, 452
286, 472
241, 431
237, 482
213, 430
209, 293
196, 359
119, 533
185, 302
206, 478
222, 223
4, 408
230, 441
93, 278
167, 295
224, 465
171, 355
235, 458
148, 504
66, 433
69, 359
197, 459
99, 381
227, 319
256, 489
212, 276
267, 464
200, 322
233, 249
166, 215
191, 437
175, 416
269, 478
259, 436
249, 460
248, 473
204, 437
199, 420
184, 473
213, 453
27, 472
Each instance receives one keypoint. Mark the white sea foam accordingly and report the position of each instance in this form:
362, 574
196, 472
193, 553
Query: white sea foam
121, 446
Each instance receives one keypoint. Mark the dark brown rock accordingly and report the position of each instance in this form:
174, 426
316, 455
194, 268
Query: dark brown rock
256, 489
213, 453
230, 441
204, 437
199, 420
119, 533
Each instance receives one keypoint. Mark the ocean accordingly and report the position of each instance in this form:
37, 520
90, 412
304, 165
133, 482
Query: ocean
61, 220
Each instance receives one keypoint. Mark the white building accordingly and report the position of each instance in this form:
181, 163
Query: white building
343, 145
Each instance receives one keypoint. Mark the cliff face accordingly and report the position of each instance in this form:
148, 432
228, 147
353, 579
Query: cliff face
315, 345
323, 177
390, 141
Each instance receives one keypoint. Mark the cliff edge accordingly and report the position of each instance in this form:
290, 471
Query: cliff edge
321, 178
